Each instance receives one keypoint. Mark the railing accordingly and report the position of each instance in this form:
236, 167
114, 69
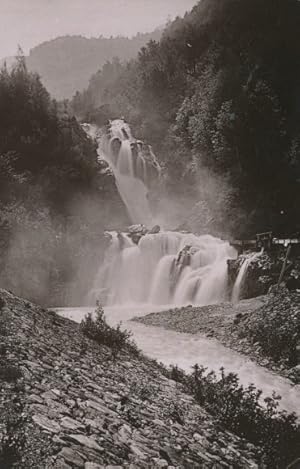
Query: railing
264, 240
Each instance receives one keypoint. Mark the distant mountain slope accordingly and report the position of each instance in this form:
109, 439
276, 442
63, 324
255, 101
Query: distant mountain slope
66, 63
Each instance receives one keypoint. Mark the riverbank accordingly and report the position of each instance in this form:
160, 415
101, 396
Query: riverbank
235, 326
71, 404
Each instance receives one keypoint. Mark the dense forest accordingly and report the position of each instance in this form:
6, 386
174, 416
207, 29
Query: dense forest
66, 63
218, 98
55, 198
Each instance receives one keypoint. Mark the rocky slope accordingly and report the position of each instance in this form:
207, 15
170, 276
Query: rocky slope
276, 316
73, 406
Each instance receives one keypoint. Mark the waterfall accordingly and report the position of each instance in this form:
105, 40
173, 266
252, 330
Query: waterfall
163, 268
158, 267
236, 292
134, 166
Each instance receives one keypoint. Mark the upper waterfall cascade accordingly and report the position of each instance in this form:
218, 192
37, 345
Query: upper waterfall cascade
133, 163
154, 267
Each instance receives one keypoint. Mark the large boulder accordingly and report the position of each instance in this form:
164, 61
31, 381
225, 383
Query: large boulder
155, 229
136, 232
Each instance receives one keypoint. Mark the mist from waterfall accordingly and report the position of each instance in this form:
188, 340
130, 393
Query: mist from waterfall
164, 268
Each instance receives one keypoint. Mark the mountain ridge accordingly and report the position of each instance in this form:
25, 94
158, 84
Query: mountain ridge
66, 63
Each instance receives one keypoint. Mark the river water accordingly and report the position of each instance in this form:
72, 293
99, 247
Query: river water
184, 350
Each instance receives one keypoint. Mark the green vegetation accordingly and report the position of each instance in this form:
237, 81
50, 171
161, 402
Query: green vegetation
96, 328
55, 201
218, 95
275, 433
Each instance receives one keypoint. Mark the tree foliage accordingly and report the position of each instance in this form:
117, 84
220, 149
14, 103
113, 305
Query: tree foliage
220, 91
54, 199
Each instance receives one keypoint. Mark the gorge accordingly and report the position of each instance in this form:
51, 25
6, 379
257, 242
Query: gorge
148, 270
155, 266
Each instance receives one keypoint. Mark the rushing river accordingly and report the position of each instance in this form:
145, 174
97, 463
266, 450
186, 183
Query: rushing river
185, 350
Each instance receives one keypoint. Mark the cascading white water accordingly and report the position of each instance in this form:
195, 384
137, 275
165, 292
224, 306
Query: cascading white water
129, 167
164, 268
236, 292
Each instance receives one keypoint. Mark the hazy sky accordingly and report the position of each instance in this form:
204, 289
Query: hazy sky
30, 22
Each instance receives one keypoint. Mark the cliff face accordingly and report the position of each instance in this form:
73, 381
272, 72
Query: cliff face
72, 405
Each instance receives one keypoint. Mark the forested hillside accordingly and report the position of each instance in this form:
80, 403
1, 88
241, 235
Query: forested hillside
66, 63
55, 198
218, 98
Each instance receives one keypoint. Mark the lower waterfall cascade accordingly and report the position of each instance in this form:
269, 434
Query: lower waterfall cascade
239, 282
163, 268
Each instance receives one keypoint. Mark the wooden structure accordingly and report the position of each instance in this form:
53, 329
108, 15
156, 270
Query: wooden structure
266, 241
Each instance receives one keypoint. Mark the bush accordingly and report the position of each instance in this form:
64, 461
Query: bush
275, 433
96, 328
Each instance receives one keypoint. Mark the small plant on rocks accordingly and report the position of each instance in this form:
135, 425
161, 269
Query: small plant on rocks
145, 391
275, 433
96, 328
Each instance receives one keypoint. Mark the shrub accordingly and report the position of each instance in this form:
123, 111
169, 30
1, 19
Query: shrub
275, 433
96, 328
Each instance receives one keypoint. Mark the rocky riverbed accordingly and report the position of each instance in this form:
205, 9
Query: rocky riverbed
71, 405
234, 326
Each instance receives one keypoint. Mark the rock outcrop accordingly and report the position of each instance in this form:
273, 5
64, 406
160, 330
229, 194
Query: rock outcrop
264, 271
136, 232
83, 409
